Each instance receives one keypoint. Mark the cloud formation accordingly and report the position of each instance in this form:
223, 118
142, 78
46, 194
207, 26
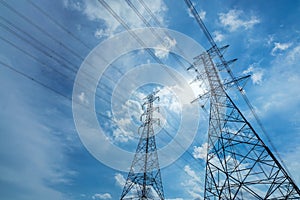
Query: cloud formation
235, 19
193, 183
218, 36
279, 47
200, 152
120, 180
256, 74
32, 157
163, 49
95, 12
101, 196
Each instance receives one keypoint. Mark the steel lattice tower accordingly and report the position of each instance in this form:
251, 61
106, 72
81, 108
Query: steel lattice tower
239, 165
144, 179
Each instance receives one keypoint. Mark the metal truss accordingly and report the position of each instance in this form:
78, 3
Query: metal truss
144, 179
239, 165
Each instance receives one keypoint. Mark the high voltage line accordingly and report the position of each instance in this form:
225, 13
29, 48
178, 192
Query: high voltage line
30, 78
68, 32
60, 26
30, 55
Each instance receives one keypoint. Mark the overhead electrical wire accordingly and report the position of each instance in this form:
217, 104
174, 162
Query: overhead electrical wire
158, 23
137, 38
49, 88
75, 54
39, 28
30, 55
158, 37
66, 30
78, 39
62, 74
30, 78
46, 65
62, 27
44, 46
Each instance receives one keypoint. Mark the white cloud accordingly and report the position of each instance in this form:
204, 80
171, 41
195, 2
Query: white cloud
202, 13
101, 196
169, 100
127, 115
125, 118
293, 55
233, 20
100, 33
95, 12
280, 47
218, 36
257, 77
200, 152
279, 97
193, 183
82, 98
120, 180
122, 136
270, 39
191, 173
256, 74
163, 49
280, 91
73, 4
29, 164
293, 163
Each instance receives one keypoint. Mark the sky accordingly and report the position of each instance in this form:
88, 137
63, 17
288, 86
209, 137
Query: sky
73, 80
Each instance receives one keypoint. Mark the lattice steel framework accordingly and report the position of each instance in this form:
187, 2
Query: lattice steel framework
144, 179
239, 164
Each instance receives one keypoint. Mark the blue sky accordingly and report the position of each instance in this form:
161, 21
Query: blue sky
44, 44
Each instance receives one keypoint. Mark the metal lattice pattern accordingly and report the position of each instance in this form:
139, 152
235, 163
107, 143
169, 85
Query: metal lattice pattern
239, 165
144, 178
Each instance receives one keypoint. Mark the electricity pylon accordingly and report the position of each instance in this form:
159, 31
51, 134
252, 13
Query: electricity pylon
239, 165
144, 179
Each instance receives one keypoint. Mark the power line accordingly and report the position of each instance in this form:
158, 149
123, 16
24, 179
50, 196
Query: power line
62, 27
58, 24
45, 65
70, 33
30, 78
158, 23
44, 46
138, 13
49, 35
48, 87
137, 38
39, 49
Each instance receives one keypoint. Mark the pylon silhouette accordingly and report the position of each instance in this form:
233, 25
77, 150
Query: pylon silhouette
239, 165
144, 179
